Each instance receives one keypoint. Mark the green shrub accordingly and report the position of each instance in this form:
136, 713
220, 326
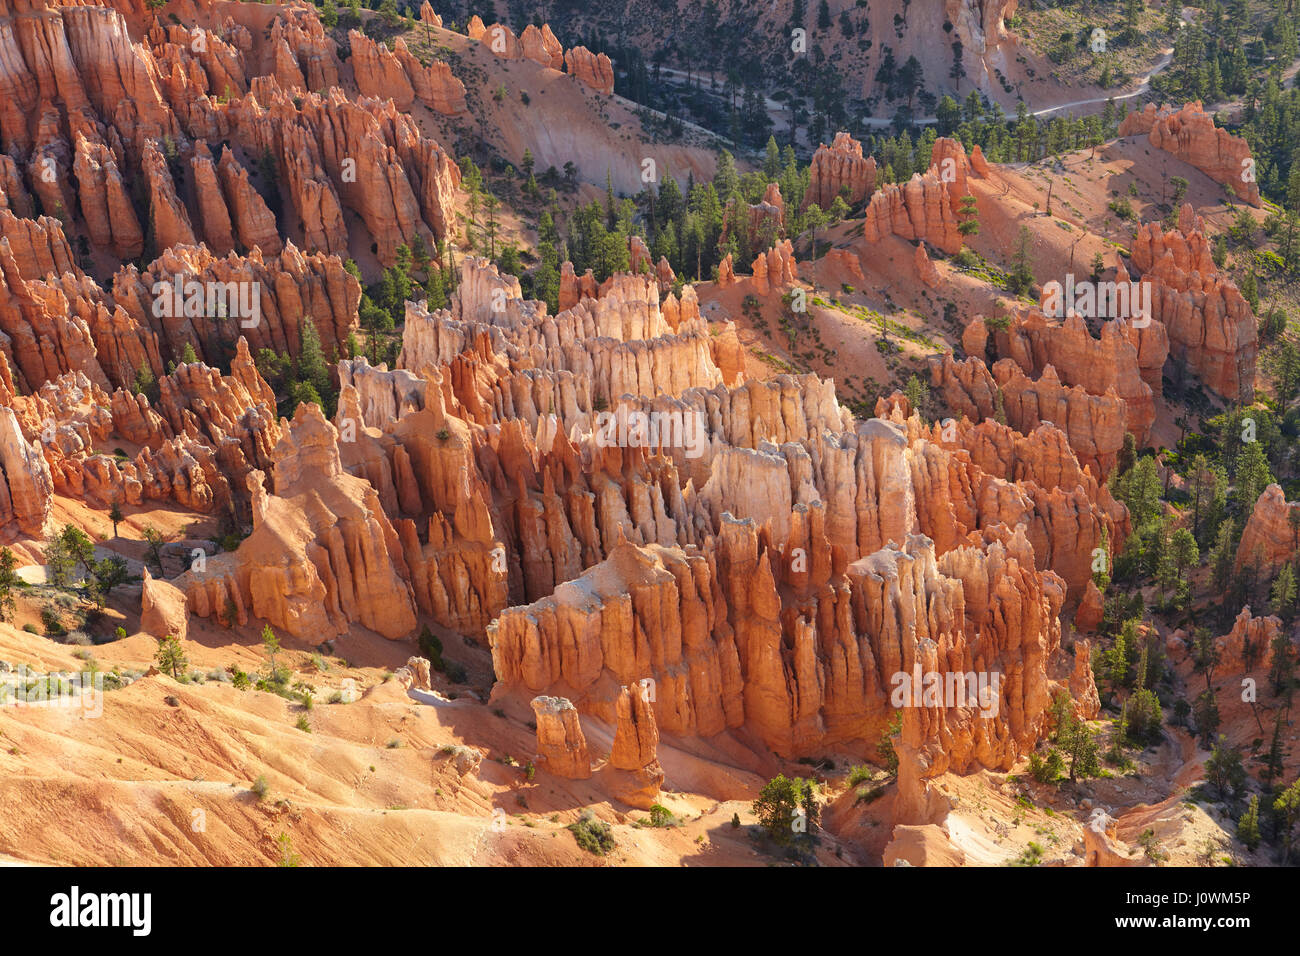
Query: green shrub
860, 774
591, 834
1048, 768
787, 807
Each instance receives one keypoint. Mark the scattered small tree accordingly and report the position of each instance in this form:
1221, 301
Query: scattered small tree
786, 809
8, 581
1223, 771
1248, 825
1287, 807
154, 542
171, 656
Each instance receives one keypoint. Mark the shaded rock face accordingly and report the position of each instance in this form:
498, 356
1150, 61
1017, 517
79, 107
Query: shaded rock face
266, 299
100, 119
105, 200
253, 223
366, 155
1190, 134
1094, 424
379, 72
768, 562
647, 574
1211, 328
1098, 366
435, 85
768, 568
560, 742
840, 169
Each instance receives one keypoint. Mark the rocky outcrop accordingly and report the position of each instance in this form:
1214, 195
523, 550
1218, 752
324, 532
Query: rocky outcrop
561, 744
38, 246
415, 674
379, 72
1094, 424
1272, 532
1101, 843
1190, 134
925, 207
1211, 327
305, 56
1089, 615
757, 226
207, 432
253, 223
46, 325
364, 155
1249, 644
926, 270
162, 609
541, 46
840, 170
634, 775
1098, 366
434, 85
593, 69
322, 554
574, 287
170, 223
265, 300
105, 202
13, 194
775, 269
213, 216
26, 486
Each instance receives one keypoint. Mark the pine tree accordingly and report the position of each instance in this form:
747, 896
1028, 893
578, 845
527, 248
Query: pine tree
1248, 824
1021, 276
8, 581
1223, 771
1281, 671
918, 395
1274, 763
1287, 806
1206, 714
772, 162
969, 224
1253, 476
1081, 748
312, 368
726, 180
171, 656
1283, 593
